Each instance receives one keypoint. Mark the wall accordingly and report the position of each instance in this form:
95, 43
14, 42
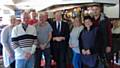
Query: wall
5, 13
112, 11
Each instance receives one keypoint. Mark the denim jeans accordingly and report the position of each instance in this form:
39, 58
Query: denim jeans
23, 63
76, 60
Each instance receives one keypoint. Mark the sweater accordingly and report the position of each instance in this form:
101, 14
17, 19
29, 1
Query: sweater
87, 40
74, 35
23, 41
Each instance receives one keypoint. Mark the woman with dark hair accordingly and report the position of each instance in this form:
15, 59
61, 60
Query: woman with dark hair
86, 43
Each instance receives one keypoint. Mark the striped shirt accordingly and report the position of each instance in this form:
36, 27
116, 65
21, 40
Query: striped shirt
23, 41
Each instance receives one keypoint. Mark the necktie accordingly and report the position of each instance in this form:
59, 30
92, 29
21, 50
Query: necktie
58, 26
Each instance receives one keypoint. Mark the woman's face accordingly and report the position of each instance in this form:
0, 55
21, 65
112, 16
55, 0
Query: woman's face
115, 23
13, 21
76, 22
88, 23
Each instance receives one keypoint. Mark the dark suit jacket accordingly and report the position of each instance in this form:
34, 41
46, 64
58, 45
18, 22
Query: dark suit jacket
63, 33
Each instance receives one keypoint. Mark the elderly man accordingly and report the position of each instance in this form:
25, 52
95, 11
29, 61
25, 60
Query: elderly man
44, 35
24, 41
60, 37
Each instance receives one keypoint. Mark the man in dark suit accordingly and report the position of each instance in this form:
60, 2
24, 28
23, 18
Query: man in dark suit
59, 40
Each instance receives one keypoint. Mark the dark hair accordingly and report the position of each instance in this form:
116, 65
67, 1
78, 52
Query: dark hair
99, 6
89, 17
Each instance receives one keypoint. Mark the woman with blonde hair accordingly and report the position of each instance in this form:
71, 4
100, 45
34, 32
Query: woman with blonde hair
74, 42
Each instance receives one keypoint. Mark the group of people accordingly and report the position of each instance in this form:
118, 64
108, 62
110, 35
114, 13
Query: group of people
92, 40
25, 42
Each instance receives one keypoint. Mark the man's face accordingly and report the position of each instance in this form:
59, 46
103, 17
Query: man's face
34, 14
46, 15
96, 10
41, 19
58, 16
26, 17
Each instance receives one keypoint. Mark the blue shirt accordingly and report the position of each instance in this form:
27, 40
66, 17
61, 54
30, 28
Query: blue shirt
88, 38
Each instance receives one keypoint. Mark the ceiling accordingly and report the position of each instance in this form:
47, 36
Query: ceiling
45, 4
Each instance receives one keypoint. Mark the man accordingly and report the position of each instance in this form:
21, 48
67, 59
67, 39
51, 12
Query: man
104, 35
33, 19
8, 52
44, 35
50, 20
24, 41
60, 40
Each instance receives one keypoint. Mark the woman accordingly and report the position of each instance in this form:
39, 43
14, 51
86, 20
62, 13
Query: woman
8, 53
74, 42
116, 39
87, 43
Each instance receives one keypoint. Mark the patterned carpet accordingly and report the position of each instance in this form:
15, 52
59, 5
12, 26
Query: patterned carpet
111, 65
68, 65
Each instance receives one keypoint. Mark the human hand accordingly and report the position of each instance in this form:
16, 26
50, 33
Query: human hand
58, 39
11, 55
83, 52
108, 49
62, 38
88, 52
71, 46
54, 38
42, 46
27, 55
